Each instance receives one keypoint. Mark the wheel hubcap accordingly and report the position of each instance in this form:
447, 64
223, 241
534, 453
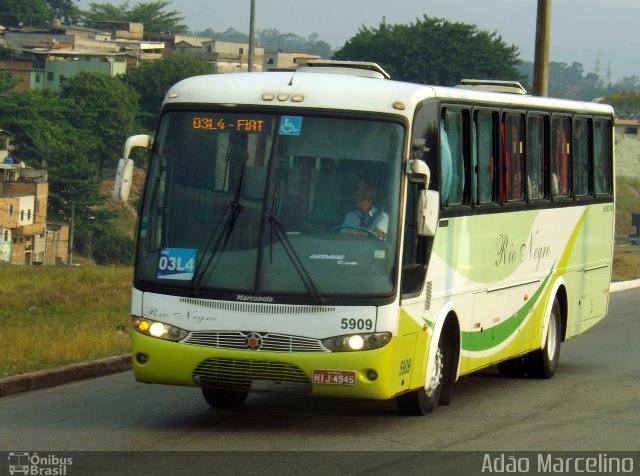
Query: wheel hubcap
436, 373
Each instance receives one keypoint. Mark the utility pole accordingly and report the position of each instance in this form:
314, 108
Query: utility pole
252, 34
72, 224
541, 61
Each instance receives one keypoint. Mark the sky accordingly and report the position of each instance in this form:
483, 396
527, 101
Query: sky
586, 31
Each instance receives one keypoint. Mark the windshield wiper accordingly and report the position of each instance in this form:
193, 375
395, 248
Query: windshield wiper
219, 238
305, 277
280, 232
278, 229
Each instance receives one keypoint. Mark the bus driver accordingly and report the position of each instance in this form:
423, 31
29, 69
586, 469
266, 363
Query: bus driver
366, 215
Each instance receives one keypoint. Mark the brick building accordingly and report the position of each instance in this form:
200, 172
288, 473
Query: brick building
25, 236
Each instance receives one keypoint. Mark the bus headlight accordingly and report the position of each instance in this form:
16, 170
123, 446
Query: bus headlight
157, 329
355, 342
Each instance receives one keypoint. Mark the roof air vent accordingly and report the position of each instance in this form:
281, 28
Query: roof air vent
353, 68
495, 86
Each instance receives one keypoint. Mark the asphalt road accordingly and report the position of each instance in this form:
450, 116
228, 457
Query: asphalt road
592, 404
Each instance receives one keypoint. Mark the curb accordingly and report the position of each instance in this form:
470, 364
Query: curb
624, 285
70, 373
111, 365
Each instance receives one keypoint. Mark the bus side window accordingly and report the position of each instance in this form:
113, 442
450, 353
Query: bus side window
513, 157
581, 154
452, 158
602, 156
536, 147
484, 153
560, 156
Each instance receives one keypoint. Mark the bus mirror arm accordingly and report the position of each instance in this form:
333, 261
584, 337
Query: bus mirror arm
418, 171
124, 173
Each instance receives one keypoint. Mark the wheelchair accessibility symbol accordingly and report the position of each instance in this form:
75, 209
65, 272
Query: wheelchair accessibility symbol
290, 125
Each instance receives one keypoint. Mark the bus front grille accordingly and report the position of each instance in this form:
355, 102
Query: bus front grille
251, 375
267, 342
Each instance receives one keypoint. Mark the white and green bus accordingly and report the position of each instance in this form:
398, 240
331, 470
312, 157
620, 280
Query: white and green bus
493, 242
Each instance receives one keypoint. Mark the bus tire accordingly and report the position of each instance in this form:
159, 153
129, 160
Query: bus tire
543, 363
424, 400
219, 398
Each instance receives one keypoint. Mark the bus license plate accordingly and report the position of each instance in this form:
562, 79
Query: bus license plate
334, 377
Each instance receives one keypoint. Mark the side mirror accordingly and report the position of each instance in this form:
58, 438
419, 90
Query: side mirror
428, 201
428, 212
124, 173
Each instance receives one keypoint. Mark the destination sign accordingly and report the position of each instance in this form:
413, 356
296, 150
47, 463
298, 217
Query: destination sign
229, 123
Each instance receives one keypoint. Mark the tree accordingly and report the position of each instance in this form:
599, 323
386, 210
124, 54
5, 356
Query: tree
434, 51
230, 34
107, 246
572, 82
45, 138
105, 114
24, 12
626, 104
272, 39
153, 80
628, 83
65, 10
7, 82
74, 188
315, 46
151, 14
38, 120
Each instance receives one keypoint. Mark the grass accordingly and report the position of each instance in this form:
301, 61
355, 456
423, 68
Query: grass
52, 316
626, 263
628, 202
626, 258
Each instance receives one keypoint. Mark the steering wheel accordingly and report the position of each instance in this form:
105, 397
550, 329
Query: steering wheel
369, 232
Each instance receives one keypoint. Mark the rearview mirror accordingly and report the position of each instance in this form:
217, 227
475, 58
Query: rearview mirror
124, 173
428, 212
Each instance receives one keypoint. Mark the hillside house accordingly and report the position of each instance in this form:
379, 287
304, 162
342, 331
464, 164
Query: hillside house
279, 60
44, 59
25, 236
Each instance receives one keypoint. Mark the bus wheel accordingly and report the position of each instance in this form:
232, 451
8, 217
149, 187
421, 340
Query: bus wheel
543, 363
424, 400
218, 398
512, 368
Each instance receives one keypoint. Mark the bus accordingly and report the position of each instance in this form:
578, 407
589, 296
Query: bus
493, 241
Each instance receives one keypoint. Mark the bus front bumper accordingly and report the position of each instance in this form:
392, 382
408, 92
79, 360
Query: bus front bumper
370, 374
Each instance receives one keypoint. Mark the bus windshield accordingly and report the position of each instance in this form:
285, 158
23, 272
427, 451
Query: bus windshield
272, 204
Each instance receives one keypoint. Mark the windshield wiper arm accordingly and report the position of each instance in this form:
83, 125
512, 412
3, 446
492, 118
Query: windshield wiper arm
220, 236
305, 277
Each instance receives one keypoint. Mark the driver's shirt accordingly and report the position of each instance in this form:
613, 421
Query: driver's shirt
373, 220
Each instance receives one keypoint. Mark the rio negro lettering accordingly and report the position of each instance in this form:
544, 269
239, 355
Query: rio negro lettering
510, 253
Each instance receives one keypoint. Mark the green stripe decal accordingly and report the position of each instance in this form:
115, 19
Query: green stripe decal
487, 338
477, 341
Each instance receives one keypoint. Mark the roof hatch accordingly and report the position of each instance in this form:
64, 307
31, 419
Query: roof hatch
354, 68
492, 85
